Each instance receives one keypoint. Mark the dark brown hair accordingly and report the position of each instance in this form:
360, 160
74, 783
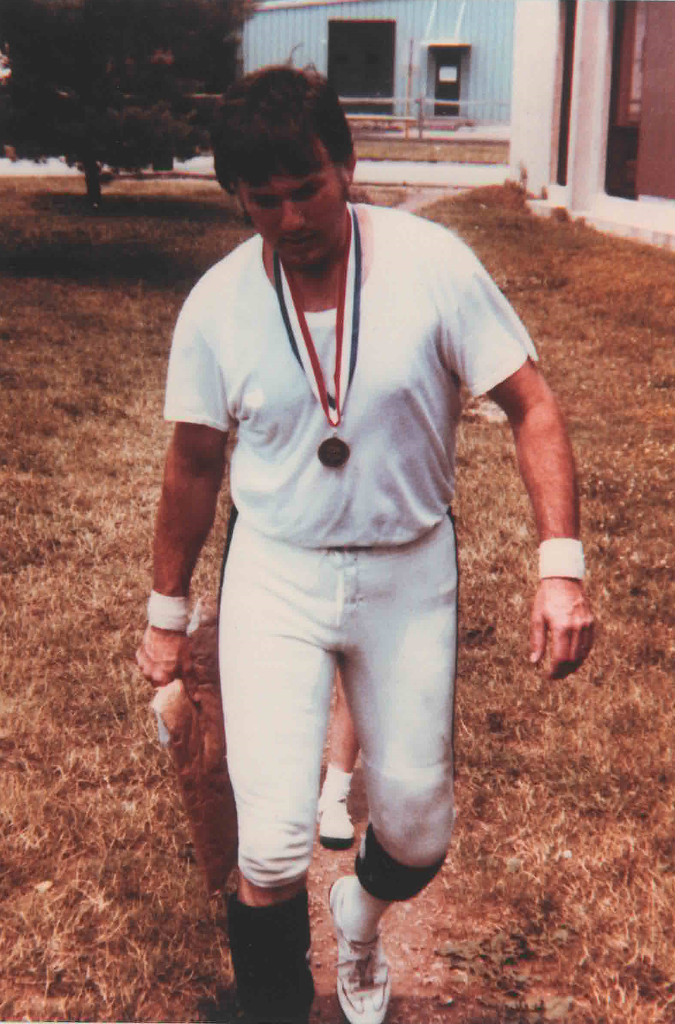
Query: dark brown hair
269, 123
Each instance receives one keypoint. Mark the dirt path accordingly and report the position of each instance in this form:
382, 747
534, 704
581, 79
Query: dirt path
417, 198
420, 993
408, 930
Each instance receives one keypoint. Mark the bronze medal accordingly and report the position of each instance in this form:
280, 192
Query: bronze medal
333, 452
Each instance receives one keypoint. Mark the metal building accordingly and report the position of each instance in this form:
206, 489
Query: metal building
453, 55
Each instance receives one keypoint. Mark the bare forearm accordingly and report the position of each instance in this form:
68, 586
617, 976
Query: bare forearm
544, 452
185, 515
184, 519
561, 615
547, 467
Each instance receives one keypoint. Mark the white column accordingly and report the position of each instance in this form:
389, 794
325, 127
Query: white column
535, 63
591, 85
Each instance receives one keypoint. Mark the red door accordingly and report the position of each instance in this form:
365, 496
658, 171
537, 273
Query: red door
656, 154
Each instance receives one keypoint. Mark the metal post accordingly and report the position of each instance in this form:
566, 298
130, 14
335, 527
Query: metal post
420, 117
408, 88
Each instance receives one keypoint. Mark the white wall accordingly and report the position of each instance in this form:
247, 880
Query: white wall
538, 55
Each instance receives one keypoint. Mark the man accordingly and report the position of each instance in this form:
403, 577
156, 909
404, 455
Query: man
335, 340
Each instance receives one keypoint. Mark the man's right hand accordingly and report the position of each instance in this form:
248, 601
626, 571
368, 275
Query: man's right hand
163, 655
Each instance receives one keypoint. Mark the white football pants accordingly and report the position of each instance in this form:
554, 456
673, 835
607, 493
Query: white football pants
388, 618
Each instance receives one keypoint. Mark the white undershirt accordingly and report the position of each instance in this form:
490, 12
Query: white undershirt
430, 317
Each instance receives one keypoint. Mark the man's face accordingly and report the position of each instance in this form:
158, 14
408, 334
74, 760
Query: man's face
303, 219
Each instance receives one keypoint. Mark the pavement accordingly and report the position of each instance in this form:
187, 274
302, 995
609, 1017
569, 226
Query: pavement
368, 172
28, 169
425, 175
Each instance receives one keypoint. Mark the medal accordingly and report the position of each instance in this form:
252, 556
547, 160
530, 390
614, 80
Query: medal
333, 452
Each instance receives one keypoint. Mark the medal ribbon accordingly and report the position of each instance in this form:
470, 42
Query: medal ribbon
280, 278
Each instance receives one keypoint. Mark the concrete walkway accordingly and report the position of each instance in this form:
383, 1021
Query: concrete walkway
437, 175
368, 172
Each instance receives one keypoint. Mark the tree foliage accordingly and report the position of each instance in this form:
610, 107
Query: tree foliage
114, 82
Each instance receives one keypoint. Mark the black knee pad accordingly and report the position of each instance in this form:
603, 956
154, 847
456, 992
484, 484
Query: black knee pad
387, 879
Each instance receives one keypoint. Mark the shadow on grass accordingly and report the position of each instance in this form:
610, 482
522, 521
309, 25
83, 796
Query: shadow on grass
217, 208
130, 238
104, 262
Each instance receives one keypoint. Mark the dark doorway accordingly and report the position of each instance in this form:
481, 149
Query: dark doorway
626, 99
447, 87
361, 56
570, 15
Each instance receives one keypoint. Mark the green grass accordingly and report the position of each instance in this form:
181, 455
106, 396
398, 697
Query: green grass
560, 884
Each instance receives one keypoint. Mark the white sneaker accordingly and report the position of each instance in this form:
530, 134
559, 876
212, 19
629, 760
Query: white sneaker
363, 984
336, 831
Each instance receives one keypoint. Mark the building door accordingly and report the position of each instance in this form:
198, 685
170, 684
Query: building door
656, 153
448, 80
361, 59
626, 98
570, 28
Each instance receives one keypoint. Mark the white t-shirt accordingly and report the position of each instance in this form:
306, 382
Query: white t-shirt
430, 316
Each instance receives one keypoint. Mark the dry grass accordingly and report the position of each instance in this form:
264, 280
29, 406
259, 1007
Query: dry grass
567, 825
560, 885
458, 151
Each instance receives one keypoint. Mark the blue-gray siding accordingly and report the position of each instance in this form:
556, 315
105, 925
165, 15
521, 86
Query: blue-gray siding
300, 33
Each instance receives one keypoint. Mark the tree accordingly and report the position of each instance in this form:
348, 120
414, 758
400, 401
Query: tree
116, 82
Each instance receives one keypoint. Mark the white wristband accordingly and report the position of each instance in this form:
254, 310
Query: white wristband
168, 612
561, 556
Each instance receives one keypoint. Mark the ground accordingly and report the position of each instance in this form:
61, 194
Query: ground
557, 900
420, 990
420, 994
408, 930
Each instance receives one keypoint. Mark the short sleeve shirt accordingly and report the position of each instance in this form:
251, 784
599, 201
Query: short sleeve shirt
431, 317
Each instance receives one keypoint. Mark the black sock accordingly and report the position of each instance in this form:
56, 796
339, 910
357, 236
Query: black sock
269, 947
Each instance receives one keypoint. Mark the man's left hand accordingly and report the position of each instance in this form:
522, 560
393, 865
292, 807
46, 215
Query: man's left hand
563, 621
